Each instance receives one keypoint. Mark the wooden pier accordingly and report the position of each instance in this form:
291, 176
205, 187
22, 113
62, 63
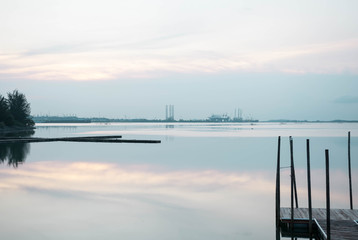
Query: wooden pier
314, 223
343, 223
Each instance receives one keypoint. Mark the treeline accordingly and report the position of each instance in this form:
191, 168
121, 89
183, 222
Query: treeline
15, 111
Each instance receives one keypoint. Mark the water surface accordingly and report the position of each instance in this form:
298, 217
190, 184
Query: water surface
204, 181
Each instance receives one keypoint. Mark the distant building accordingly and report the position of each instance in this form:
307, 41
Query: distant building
219, 118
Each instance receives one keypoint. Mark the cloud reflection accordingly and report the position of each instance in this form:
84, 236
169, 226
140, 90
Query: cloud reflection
338, 187
156, 201
101, 180
208, 196
107, 178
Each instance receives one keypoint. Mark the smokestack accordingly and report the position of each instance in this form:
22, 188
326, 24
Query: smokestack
166, 112
173, 113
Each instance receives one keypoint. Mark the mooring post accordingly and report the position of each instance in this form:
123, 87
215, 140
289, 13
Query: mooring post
278, 235
292, 210
309, 187
350, 170
293, 172
328, 204
278, 197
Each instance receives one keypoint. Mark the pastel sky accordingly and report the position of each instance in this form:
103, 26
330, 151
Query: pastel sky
273, 59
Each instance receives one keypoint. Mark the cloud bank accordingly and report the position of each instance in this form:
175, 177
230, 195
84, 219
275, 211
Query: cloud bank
104, 40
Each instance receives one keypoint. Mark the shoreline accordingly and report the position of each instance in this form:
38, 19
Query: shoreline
16, 129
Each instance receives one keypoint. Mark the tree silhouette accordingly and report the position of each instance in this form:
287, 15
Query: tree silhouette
19, 108
4, 109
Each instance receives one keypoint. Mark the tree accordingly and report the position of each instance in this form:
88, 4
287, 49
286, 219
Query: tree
4, 110
19, 108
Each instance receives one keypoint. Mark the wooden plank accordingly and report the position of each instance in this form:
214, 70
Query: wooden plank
83, 137
103, 139
320, 213
341, 229
343, 221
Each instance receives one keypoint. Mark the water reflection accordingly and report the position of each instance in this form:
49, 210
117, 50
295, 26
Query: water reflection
26, 133
50, 127
204, 182
205, 204
233, 130
15, 153
299, 233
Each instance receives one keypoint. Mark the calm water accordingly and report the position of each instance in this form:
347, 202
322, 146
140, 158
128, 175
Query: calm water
204, 181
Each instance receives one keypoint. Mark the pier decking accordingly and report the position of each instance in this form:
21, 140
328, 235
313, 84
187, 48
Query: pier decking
320, 213
343, 222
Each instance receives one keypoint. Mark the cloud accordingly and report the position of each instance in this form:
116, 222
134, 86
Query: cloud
347, 100
64, 48
165, 55
137, 39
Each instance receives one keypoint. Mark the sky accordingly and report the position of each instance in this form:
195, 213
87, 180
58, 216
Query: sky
128, 59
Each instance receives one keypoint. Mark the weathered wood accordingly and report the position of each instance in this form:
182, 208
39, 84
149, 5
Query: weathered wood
341, 229
81, 137
293, 172
328, 200
343, 225
350, 171
309, 187
320, 213
102, 136
278, 204
102, 139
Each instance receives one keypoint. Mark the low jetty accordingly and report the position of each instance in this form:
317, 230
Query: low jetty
99, 139
314, 223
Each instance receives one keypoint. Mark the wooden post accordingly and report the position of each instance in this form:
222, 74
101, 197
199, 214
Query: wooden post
292, 210
328, 203
350, 170
278, 235
309, 188
293, 172
278, 197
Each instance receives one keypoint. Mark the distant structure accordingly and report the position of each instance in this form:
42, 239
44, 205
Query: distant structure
219, 118
225, 118
169, 112
238, 115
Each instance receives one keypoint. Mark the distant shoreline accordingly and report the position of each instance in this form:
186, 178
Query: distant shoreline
316, 121
74, 119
